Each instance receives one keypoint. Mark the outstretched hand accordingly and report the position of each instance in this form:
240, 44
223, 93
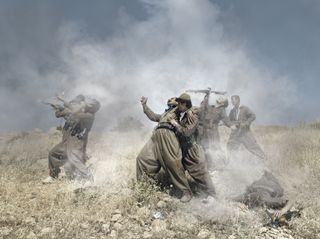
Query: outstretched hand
60, 98
143, 100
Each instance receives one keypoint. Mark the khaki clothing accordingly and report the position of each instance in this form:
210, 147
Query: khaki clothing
146, 162
71, 152
193, 155
167, 151
210, 137
196, 165
163, 151
242, 118
265, 191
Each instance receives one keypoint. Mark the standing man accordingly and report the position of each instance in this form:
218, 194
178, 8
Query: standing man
71, 151
209, 138
193, 157
166, 152
242, 117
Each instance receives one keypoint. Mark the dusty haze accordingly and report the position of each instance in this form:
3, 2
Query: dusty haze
178, 46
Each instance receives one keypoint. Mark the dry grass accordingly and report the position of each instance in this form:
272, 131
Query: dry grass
117, 207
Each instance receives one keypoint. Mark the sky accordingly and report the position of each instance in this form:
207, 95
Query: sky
118, 50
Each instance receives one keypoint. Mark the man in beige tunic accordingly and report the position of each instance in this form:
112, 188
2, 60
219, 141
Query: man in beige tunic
71, 151
193, 157
208, 134
242, 117
163, 151
216, 113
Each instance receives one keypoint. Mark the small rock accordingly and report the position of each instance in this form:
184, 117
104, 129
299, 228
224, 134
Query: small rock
272, 236
231, 237
116, 218
143, 212
161, 204
212, 237
158, 215
203, 234
12, 218
33, 195
113, 234
5, 231
105, 227
117, 211
31, 235
30, 221
100, 221
182, 235
158, 225
147, 235
263, 230
167, 199
170, 234
274, 230
62, 230
46, 230
117, 226
84, 226
286, 230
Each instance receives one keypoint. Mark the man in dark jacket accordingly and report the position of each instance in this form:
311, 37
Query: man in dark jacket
242, 117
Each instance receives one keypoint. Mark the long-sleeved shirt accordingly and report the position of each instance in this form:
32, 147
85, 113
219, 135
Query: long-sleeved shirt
242, 115
161, 118
214, 116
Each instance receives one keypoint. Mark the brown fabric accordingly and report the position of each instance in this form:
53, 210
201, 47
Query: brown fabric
167, 151
146, 162
194, 162
71, 152
162, 151
265, 191
150, 114
262, 198
210, 138
246, 139
243, 135
194, 159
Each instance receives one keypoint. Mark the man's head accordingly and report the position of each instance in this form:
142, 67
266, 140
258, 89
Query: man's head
184, 102
172, 102
79, 98
92, 105
222, 101
235, 100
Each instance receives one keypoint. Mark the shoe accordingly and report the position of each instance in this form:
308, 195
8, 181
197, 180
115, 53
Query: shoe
48, 180
186, 197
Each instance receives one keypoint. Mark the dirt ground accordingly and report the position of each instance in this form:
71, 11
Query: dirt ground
115, 206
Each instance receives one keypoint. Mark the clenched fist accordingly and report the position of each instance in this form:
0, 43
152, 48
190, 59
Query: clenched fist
143, 100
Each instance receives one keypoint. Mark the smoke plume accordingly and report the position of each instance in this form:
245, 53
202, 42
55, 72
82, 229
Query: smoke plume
180, 45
